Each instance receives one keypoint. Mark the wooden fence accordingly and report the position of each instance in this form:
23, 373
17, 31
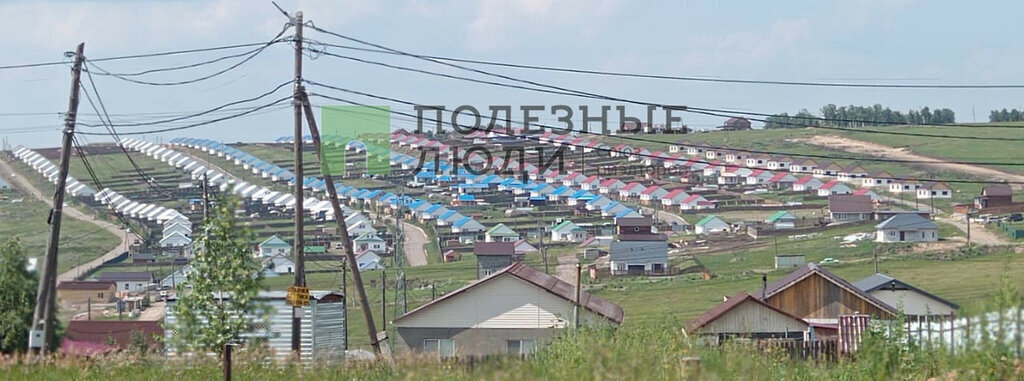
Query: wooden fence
826, 349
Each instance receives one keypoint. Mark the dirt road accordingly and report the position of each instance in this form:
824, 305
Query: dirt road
979, 235
414, 245
668, 217
26, 186
873, 149
566, 268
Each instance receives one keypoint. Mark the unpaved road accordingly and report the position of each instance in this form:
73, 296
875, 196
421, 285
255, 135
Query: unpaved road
874, 149
979, 235
414, 245
566, 268
20, 182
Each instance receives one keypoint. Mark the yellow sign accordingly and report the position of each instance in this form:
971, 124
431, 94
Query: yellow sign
297, 296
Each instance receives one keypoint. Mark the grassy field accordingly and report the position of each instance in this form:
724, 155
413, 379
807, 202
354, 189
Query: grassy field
80, 241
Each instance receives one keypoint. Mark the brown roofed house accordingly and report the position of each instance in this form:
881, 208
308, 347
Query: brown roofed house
847, 207
84, 291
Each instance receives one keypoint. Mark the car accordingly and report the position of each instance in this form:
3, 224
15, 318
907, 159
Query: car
829, 261
1015, 217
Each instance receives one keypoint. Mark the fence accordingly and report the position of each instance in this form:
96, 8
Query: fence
956, 334
1015, 231
825, 349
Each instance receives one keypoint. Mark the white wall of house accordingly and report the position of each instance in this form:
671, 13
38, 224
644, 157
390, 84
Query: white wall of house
912, 302
893, 235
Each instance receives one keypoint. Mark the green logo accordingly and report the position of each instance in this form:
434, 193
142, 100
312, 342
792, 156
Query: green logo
356, 139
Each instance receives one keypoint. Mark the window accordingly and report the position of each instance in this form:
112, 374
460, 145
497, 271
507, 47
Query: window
126, 286
445, 348
488, 272
520, 347
636, 228
99, 295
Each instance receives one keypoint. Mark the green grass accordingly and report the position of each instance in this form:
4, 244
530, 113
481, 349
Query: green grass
80, 241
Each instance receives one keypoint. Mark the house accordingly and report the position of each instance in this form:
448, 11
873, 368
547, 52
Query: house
735, 124
803, 166
500, 233
369, 260
369, 241
816, 295
494, 256
131, 281
638, 257
451, 256
610, 186
828, 169
850, 208
876, 179
176, 243
911, 301
907, 227
781, 220
934, 190
651, 194
513, 311
523, 247
759, 177
634, 226
785, 261
274, 246
744, 315
277, 264
994, 195
93, 337
674, 197
711, 224
833, 187
782, 180
852, 172
875, 197
566, 231
900, 186
806, 184
85, 291
696, 202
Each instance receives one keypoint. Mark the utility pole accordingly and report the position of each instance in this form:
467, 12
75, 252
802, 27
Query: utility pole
346, 239
206, 197
41, 333
297, 244
576, 306
383, 300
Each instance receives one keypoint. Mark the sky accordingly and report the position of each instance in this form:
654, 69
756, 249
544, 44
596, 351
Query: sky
887, 41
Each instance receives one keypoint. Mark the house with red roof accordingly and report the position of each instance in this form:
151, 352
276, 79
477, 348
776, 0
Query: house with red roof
674, 197
653, 193
631, 190
696, 202
782, 180
610, 186
759, 177
833, 187
807, 183
591, 183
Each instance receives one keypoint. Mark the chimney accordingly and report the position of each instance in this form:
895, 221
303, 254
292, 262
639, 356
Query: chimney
764, 285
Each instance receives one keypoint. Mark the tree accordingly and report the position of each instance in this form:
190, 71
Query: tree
217, 302
17, 299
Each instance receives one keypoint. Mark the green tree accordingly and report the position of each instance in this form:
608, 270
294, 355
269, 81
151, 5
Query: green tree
217, 301
17, 299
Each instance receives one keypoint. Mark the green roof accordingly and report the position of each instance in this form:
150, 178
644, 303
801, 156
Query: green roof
778, 215
368, 236
275, 241
314, 249
563, 224
705, 220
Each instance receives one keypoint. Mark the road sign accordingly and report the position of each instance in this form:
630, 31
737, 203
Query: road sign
297, 296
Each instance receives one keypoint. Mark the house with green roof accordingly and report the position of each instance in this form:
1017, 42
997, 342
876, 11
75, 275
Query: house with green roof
274, 246
567, 231
782, 220
369, 241
711, 224
500, 233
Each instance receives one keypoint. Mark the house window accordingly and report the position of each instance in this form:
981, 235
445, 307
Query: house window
126, 286
520, 347
488, 272
99, 295
445, 348
636, 228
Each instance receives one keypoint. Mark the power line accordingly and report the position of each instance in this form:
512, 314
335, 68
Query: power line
203, 123
137, 56
567, 91
99, 184
960, 181
113, 133
690, 78
625, 137
255, 52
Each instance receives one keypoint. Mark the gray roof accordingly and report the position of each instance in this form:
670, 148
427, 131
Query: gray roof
907, 221
126, 276
638, 252
885, 282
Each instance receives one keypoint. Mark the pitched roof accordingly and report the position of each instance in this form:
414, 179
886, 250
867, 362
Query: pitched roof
85, 285
881, 281
634, 221
778, 215
848, 203
544, 281
564, 225
100, 331
997, 190
732, 302
907, 221
811, 268
707, 219
274, 240
494, 248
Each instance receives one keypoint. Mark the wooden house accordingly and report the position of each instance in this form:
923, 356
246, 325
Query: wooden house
746, 316
82, 292
817, 295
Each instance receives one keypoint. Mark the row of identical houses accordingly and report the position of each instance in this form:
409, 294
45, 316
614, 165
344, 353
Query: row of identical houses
50, 171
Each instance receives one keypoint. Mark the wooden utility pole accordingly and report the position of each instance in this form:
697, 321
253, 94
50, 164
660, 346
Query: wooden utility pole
297, 244
576, 305
206, 197
346, 239
41, 332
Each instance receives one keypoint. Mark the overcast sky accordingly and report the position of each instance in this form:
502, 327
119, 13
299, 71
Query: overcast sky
896, 41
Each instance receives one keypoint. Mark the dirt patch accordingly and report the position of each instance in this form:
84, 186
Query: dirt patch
879, 150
